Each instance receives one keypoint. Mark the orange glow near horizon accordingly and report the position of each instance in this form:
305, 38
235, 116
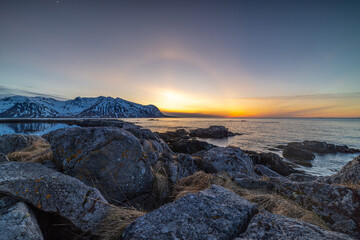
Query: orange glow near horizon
175, 102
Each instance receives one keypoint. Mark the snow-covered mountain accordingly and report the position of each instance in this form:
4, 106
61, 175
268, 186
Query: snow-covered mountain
99, 107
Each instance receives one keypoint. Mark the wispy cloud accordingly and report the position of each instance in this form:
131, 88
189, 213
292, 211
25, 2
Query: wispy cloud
8, 91
305, 96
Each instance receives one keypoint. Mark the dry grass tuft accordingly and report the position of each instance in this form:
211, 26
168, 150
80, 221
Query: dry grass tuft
192, 184
115, 223
267, 200
350, 185
39, 151
161, 182
276, 204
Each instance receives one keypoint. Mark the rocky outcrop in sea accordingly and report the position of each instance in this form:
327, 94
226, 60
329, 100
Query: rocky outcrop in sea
107, 179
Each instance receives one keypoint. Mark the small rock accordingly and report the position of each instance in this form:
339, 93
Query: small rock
274, 162
297, 153
230, 160
17, 221
3, 158
262, 170
265, 225
212, 132
338, 206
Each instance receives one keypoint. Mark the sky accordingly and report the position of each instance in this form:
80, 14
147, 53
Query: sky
189, 58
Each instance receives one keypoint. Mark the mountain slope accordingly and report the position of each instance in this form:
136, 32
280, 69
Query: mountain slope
99, 107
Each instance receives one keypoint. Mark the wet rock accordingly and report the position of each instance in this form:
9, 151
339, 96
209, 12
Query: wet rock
349, 174
338, 206
14, 142
190, 146
265, 225
215, 213
262, 170
230, 160
297, 153
212, 132
179, 142
54, 192
3, 158
301, 177
172, 136
274, 162
322, 147
111, 159
252, 183
17, 221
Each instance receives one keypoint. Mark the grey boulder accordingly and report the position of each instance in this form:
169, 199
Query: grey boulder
230, 160
17, 221
215, 213
54, 192
111, 159
265, 225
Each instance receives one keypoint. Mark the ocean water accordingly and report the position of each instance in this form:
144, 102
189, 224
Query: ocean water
260, 135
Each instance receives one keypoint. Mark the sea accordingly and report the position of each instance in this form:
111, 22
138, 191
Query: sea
261, 135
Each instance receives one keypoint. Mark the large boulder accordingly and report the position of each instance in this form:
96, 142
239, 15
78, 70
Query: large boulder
54, 192
338, 206
274, 162
14, 142
215, 213
265, 225
109, 158
17, 221
349, 174
297, 153
212, 132
230, 160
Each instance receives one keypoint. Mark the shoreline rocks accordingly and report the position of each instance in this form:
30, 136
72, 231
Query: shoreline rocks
108, 161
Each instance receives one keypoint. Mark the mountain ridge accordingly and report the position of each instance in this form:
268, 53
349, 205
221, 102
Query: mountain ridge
83, 107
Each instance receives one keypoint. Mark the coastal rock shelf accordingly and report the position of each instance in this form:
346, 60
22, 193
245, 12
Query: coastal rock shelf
107, 179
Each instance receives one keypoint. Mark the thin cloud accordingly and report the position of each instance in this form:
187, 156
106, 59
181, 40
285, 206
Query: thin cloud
307, 96
8, 92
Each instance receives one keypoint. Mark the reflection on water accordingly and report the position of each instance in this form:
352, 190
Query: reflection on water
263, 135
30, 128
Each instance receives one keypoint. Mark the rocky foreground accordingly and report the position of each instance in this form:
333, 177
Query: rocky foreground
114, 180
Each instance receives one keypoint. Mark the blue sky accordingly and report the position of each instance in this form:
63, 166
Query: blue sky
228, 58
